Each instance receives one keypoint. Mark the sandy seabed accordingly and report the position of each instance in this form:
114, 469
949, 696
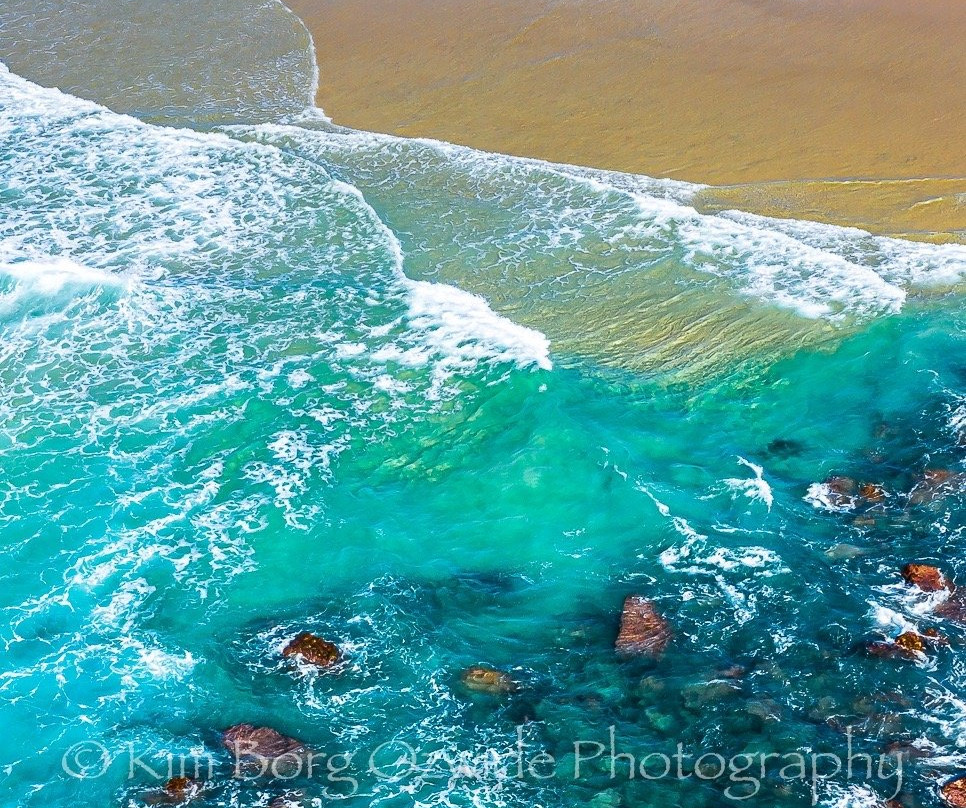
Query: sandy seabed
849, 112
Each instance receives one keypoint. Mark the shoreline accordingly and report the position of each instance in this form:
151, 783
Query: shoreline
851, 116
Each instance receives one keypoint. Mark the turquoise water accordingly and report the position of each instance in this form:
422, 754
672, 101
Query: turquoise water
444, 408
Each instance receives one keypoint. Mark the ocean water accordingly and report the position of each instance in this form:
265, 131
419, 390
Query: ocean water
260, 374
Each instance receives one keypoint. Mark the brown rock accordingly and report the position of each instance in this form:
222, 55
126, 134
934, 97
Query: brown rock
926, 577
954, 792
643, 631
248, 742
482, 679
312, 649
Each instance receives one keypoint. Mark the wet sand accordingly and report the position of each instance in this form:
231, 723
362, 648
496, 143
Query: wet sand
756, 95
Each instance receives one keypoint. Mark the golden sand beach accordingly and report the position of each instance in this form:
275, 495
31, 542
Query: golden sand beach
847, 111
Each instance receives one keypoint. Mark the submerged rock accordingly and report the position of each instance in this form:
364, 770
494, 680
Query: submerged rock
313, 649
177, 791
643, 631
840, 491
936, 484
844, 551
291, 799
248, 742
481, 679
953, 609
926, 577
785, 448
954, 792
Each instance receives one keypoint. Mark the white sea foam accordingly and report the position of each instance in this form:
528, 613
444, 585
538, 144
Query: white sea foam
51, 276
820, 495
463, 327
756, 488
818, 271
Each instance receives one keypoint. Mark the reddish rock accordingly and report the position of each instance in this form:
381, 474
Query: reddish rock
954, 793
936, 484
246, 741
312, 649
884, 650
643, 631
871, 492
482, 679
926, 577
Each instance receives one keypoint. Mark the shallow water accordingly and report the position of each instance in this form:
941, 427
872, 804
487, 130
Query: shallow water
247, 387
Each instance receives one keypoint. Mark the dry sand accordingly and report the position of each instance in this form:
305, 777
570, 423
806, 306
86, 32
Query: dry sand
753, 96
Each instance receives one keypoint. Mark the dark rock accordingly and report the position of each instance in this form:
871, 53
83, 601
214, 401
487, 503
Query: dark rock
934, 638
954, 792
312, 649
481, 679
734, 672
696, 697
785, 448
908, 751
953, 609
291, 799
248, 742
643, 631
926, 577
